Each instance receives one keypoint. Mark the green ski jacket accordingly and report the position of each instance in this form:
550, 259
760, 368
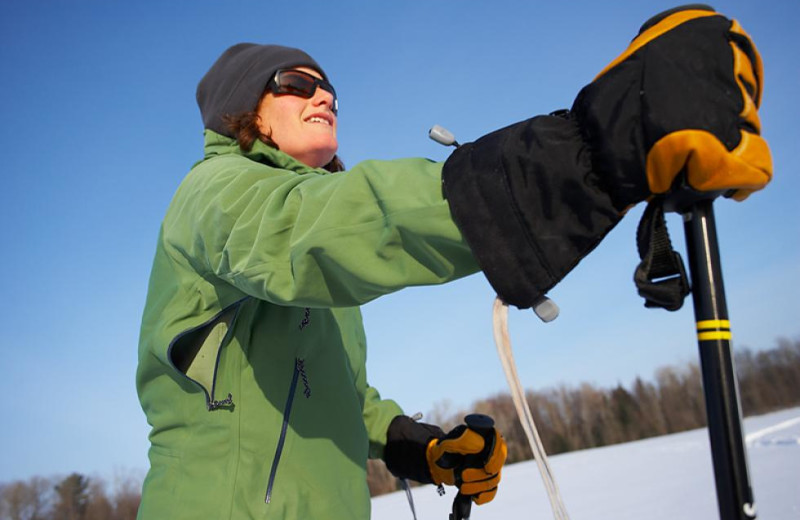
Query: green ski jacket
252, 351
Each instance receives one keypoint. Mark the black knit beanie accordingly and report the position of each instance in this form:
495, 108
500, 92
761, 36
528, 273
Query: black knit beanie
236, 81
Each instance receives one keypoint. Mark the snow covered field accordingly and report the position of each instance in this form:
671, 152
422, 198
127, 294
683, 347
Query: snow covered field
663, 478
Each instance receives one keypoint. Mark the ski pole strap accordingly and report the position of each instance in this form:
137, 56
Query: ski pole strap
660, 276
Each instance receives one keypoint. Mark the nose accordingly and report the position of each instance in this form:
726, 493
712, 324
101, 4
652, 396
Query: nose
324, 98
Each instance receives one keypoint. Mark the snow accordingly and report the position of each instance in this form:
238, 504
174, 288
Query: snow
661, 478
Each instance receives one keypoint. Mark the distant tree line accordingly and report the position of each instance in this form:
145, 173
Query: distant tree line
576, 418
568, 418
75, 497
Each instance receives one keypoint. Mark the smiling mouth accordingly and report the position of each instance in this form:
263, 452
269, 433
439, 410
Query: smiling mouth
317, 119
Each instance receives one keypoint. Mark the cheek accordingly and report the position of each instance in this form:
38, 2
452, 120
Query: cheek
288, 134
279, 118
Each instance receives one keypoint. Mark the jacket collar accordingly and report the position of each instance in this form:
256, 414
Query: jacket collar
217, 144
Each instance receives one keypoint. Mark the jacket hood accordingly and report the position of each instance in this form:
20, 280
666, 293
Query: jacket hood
236, 81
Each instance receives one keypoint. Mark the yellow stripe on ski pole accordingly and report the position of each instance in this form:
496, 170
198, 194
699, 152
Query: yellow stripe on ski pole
713, 325
711, 336
710, 330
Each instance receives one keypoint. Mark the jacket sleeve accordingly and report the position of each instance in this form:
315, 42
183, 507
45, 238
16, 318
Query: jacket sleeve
317, 239
378, 415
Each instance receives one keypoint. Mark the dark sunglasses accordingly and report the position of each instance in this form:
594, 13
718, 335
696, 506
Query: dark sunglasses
299, 83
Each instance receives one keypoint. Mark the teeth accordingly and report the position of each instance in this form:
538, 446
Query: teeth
318, 120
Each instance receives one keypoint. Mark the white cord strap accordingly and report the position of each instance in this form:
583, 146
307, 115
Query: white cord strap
503, 343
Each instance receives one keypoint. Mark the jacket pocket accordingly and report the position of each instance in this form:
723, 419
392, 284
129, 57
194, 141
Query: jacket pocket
195, 353
299, 373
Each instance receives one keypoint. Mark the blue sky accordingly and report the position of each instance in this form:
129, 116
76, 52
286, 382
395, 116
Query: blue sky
100, 125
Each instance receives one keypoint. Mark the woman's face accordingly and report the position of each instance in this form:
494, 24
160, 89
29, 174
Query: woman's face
303, 128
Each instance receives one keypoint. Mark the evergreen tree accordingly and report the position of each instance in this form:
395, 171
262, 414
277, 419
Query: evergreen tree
72, 498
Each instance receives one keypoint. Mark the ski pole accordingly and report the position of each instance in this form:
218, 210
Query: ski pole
723, 408
484, 426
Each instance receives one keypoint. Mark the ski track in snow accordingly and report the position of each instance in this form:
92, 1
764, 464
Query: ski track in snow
661, 478
751, 438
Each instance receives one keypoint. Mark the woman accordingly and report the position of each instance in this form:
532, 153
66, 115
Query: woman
251, 356
252, 352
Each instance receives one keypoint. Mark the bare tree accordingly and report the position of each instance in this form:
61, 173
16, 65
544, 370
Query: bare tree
501, 408
681, 395
651, 421
770, 379
127, 495
557, 439
98, 506
443, 415
29, 500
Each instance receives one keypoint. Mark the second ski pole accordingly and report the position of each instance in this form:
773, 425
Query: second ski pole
723, 409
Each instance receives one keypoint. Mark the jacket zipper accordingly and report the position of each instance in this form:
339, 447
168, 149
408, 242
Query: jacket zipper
299, 371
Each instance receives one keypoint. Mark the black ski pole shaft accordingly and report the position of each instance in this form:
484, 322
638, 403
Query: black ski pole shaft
723, 409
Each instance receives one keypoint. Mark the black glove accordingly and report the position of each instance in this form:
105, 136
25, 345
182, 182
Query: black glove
677, 107
406, 446
463, 457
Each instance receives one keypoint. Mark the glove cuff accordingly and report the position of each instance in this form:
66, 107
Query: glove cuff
407, 442
528, 204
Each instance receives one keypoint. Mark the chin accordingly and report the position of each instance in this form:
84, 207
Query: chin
317, 159
322, 156
315, 152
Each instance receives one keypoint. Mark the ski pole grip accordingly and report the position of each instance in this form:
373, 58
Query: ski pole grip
484, 426
682, 198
